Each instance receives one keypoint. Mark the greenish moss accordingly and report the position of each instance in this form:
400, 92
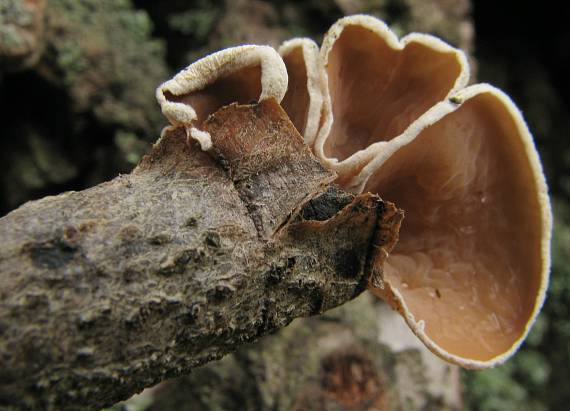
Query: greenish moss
18, 33
71, 60
197, 22
107, 58
16, 12
131, 147
50, 162
10, 37
39, 163
498, 390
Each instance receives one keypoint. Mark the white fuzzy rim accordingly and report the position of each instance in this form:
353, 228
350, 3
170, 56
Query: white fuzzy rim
206, 71
383, 31
316, 83
434, 115
370, 159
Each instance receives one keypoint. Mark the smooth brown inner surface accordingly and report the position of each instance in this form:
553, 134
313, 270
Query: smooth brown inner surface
468, 261
243, 86
377, 92
296, 100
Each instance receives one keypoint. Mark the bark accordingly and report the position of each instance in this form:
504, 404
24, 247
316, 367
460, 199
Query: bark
109, 290
360, 356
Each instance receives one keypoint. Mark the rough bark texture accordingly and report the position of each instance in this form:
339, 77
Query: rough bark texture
357, 357
109, 290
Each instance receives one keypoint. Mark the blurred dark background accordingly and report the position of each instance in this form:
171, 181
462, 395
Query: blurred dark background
77, 81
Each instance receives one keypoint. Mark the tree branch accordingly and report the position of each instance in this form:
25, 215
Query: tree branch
360, 356
109, 290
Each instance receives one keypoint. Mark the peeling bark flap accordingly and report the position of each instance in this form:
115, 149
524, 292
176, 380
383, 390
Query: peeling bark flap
274, 172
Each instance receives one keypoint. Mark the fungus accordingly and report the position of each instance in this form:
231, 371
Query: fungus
470, 269
395, 118
238, 74
304, 99
377, 86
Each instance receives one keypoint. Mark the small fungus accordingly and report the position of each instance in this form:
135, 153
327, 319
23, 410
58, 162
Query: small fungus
305, 97
238, 74
396, 118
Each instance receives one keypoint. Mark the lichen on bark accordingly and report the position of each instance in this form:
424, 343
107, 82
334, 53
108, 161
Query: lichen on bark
21, 33
110, 64
89, 94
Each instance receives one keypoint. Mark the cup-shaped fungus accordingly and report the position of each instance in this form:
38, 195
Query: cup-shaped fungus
470, 269
377, 86
237, 74
393, 117
306, 89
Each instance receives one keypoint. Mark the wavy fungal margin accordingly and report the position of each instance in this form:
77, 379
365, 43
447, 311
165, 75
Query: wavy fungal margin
394, 117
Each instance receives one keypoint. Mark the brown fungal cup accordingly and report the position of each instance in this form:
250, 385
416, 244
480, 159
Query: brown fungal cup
393, 117
470, 269
305, 96
237, 74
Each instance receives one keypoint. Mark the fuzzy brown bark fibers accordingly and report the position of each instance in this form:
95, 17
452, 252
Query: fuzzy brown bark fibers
109, 290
